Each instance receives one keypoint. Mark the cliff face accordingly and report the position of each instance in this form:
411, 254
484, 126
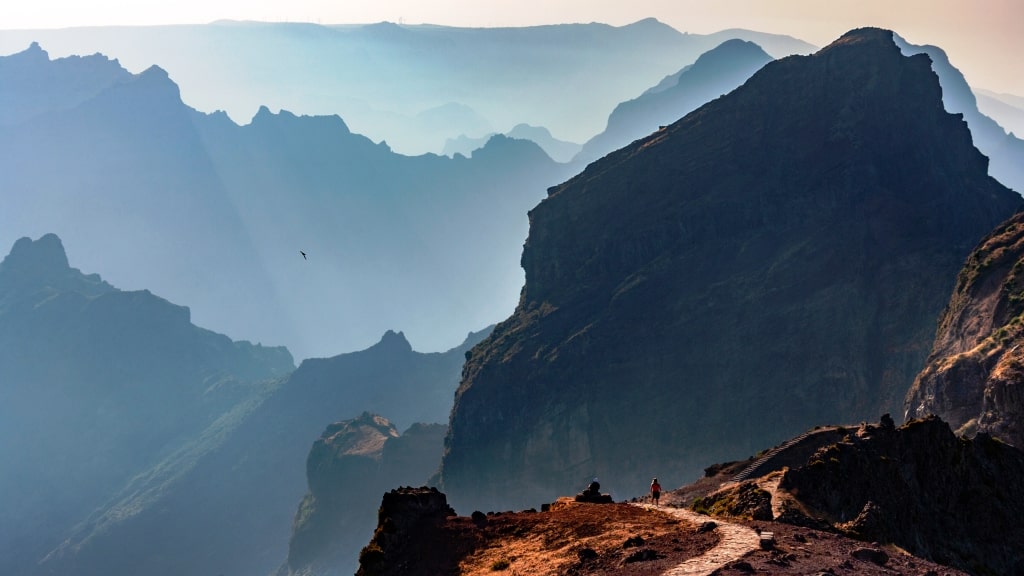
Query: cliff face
952, 500
347, 469
974, 374
773, 260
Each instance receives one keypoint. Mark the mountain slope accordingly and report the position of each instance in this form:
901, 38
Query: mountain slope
973, 376
1005, 151
98, 385
715, 72
226, 502
773, 260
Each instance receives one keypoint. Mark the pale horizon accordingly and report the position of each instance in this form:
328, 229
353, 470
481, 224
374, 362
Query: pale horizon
982, 38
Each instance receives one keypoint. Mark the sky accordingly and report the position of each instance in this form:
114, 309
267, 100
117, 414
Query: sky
984, 38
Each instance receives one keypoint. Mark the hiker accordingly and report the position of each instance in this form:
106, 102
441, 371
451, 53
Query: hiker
655, 491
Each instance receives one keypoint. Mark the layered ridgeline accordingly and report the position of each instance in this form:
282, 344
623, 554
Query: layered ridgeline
226, 503
347, 469
715, 72
96, 386
773, 260
974, 375
203, 210
412, 85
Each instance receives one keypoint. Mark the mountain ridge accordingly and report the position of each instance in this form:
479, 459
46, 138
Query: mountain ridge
695, 279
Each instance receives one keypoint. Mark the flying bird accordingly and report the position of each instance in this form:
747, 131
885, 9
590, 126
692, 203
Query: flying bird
303, 255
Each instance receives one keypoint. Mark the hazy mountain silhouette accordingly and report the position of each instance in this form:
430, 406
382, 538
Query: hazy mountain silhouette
225, 503
715, 73
558, 150
1005, 109
773, 260
1005, 152
380, 77
212, 213
99, 384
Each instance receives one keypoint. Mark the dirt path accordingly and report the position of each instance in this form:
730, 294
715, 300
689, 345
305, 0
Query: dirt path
736, 541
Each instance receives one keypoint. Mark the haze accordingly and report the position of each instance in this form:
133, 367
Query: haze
982, 37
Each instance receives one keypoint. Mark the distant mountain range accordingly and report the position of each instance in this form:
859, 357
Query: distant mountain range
139, 443
413, 86
774, 260
716, 72
215, 214
99, 385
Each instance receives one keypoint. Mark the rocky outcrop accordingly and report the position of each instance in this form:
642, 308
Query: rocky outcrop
975, 374
950, 499
773, 260
407, 520
347, 468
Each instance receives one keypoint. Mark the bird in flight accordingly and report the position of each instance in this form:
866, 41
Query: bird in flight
303, 255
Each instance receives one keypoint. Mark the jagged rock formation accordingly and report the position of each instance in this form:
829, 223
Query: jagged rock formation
773, 260
974, 376
945, 498
715, 73
406, 523
347, 469
1005, 151
99, 385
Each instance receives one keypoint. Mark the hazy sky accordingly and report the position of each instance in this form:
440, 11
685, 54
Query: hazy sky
984, 38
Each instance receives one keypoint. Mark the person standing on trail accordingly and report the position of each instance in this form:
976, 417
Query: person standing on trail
655, 491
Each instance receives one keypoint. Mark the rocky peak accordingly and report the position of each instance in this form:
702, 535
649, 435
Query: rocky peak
37, 264
393, 342
43, 256
774, 259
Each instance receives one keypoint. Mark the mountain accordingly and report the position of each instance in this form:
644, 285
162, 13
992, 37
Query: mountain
975, 368
1006, 109
98, 385
226, 501
1005, 151
558, 150
63, 85
773, 260
202, 210
715, 72
347, 468
381, 77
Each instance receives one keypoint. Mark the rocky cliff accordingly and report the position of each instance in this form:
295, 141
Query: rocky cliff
347, 469
974, 375
950, 499
773, 260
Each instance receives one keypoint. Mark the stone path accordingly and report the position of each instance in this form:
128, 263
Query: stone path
736, 541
